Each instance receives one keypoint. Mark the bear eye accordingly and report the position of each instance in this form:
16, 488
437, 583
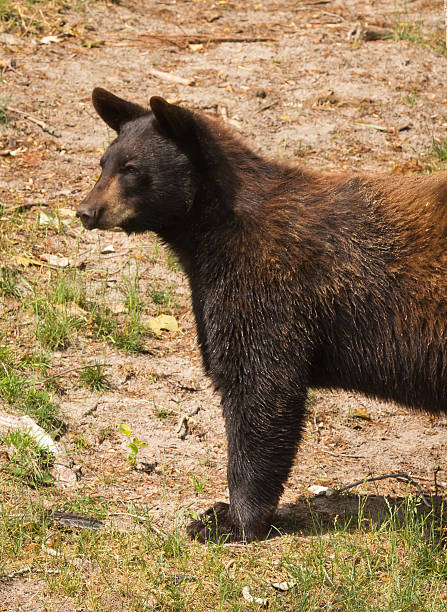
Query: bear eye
130, 169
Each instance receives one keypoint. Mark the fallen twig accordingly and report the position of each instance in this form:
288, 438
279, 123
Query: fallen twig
183, 40
173, 78
267, 106
27, 570
33, 119
398, 475
141, 518
341, 455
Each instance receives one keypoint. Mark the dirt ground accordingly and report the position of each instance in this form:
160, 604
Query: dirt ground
298, 81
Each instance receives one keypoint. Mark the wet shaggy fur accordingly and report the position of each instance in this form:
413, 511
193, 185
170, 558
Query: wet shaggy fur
298, 279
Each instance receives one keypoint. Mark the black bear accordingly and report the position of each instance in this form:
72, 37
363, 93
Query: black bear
298, 279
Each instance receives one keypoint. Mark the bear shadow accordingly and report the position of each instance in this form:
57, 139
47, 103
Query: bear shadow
354, 512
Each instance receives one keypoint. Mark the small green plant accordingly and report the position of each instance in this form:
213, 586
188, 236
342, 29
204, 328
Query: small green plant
409, 99
94, 377
12, 383
9, 278
4, 117
28, 396
198, 484
161, 412
412, 32
440, 149
173, 262
29, 462
162, 296
134, 444
128, 335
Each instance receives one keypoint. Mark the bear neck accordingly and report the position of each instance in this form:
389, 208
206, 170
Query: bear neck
231, 184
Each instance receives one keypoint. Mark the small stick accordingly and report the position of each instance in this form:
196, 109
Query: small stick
168, 76
267, 106
26, 570
141, 518
206, 38
342, 455
445, 20
435, 475
33, 119
399, 476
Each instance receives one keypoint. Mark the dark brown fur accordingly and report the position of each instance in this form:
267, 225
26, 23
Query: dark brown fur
298, 279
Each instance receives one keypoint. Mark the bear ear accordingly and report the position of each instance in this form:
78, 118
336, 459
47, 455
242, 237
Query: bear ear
114, 110
177, 123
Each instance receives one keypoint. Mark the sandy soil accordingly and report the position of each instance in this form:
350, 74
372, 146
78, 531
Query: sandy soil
296, 84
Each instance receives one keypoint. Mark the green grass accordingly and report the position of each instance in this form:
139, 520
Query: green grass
31, 17
28, 462
55, 328
411, 32
395, 563
440, 149
436, 158
24, 392
94, 377
4, 117
162, 295
9, 280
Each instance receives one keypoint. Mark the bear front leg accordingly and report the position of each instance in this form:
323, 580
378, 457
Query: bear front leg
262, 443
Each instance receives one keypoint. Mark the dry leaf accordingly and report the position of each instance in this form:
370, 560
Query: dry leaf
46, 40
56, 260
72, 309
21, 260
162, 322
283, 586
361, 413
249, 597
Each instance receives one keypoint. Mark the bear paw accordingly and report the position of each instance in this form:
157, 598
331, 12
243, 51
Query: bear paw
215, 525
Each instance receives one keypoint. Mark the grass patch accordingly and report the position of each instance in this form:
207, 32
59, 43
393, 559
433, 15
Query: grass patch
436, 158
32, 17
28, 462
396, 563
24, 393
411, 32
9, 281
55, 328
4, 117
94, 377
440, 150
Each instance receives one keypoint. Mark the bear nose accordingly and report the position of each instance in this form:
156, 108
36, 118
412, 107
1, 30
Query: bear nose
88, 215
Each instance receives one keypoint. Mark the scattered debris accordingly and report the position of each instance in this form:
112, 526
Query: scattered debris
367, 33
283, 586
27, 570
58, 261
47, 40
183, 427
72, 520
249, 597
360, 413
402, 476
10, 422
33, 119
319, 491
